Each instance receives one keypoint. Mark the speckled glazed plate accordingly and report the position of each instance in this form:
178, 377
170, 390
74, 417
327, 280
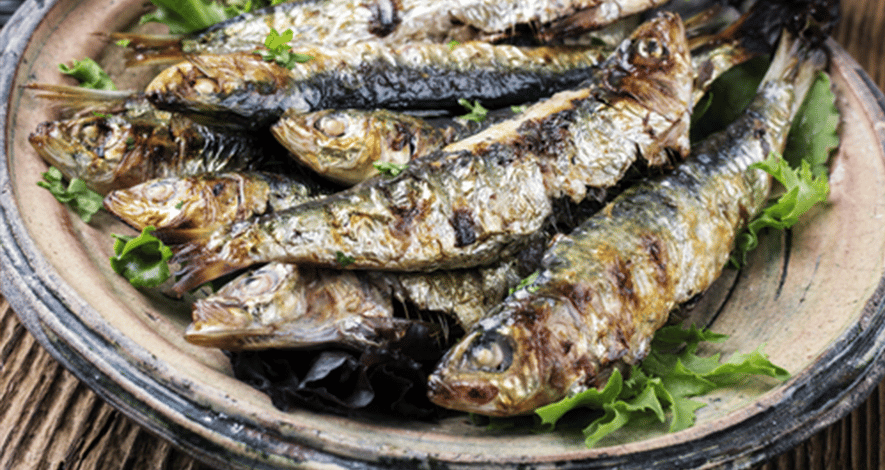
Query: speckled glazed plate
813, 297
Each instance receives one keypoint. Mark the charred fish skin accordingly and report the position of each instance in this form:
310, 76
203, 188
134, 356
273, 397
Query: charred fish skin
473, 202
605, 289
207, 200
119, 148
244, 90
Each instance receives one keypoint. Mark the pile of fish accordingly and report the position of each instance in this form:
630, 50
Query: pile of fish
541, 248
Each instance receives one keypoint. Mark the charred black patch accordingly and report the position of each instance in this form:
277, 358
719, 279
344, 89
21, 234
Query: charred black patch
462, 222
546, 137
657, 255
217, 189
385, 17
401, 137
404, 217
478, 394
620, 272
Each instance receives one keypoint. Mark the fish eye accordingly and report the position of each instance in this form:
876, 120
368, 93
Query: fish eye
160, 191
491, 352
651, 48
331, 125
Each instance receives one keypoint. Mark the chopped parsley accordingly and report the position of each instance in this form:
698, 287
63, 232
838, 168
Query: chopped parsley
343, 259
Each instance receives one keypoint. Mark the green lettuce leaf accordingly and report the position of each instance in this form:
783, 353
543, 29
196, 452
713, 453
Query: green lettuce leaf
803, 169
84, 201
186, 16
661, 387
89, 74
142, 260
802, 191
814, 134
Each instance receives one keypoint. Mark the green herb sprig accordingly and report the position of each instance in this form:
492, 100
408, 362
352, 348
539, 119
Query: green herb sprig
278, 50
84, 201
142, 260
477, 112
389, 169
188, 16
89, 74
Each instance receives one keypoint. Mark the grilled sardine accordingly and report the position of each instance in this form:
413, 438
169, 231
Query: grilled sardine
607, 287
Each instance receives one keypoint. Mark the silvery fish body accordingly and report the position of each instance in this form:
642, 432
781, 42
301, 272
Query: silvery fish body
473, 202
134, 142
244, 90
343, 23
607, 287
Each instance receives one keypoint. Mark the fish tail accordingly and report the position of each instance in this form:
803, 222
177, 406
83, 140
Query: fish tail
796, 61
76, 98
199, 263
758, 30
150, 49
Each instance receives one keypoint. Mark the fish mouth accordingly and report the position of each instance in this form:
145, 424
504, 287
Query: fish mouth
469, 396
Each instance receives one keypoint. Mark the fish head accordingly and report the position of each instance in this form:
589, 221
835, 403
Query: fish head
494, 370
223, 90
654, 66
339, 144
200, 201
105, 151
246, 312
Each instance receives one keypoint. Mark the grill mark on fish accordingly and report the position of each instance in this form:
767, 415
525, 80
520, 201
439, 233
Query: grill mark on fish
462, 222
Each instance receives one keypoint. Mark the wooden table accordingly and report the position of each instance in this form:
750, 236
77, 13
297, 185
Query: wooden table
49, 420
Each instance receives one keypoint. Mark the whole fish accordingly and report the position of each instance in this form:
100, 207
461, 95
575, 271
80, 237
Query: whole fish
343, 23
473, 202
122, 140
205, 201
607, 287
282, 305
344, 145
244, 90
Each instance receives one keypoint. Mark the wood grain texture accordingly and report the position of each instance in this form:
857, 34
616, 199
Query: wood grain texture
49, 420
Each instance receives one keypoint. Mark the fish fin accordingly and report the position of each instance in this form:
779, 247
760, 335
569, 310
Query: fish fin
150, 49
181, 236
